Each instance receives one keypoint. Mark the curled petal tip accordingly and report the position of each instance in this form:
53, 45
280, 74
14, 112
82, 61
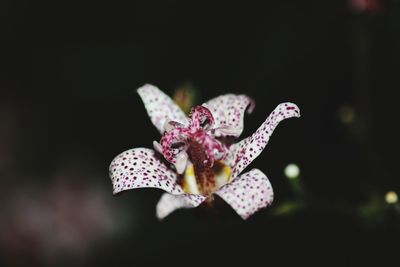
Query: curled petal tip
290, 108
251, 106
244, 152
144, 87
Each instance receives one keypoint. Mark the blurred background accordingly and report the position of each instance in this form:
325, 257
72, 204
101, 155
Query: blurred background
68, 106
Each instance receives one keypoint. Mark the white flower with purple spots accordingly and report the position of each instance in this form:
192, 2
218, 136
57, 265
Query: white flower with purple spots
196, 158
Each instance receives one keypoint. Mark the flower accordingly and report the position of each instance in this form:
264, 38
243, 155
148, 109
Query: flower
196, 157
367, 6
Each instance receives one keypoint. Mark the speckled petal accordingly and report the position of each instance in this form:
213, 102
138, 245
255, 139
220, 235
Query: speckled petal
160, 107
169, 203
228, 111
248, 193
139, 168
243, 153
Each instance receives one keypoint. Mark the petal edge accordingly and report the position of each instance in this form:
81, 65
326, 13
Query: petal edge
241, 154
169, 203
160, 107
140, 168
228, 111
248, 193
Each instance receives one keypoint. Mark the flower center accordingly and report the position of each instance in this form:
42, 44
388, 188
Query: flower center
196, 153
201, 177
206, 182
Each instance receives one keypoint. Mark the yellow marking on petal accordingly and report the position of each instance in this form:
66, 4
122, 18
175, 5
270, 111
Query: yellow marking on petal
189, 184
228, 172
221, 176
222, 173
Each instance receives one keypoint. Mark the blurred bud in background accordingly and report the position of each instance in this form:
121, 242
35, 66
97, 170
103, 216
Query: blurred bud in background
186, 96
346, 114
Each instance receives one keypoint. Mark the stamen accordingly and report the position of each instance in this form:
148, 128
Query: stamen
168, 126
218, 154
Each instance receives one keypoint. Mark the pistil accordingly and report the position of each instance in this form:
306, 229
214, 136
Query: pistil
204, 174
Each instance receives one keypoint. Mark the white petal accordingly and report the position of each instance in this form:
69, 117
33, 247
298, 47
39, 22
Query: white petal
248, 193
157, 147
181, 162
228, 131
160, 107
241, 154
228, 112
140, 168
169, 203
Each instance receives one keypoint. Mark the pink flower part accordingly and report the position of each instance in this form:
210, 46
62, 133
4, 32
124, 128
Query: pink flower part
169, 203
189, 139
160, 107
213, 148
138, 168
174, 142
228, 111
243, 153
248, 193
200, 118
369, 6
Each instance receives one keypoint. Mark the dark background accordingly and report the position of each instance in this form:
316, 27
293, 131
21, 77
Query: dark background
68, 106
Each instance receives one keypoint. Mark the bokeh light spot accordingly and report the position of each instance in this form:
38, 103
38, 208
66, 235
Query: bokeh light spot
391, 197
292, 171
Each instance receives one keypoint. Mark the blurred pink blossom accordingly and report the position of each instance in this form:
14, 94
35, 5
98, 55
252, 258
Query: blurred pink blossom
367, 6
47, 224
